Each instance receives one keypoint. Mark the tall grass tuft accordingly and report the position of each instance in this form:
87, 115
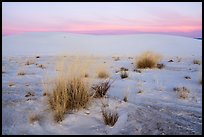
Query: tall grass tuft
70, 92
110, 117
147, 60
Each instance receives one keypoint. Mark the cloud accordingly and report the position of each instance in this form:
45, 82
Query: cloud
103, 18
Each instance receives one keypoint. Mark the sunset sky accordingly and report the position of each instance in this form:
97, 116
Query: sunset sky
177, 18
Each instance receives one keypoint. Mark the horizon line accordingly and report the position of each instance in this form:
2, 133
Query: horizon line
107, 33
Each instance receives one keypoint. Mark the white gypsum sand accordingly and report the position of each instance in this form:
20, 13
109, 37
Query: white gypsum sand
152, 107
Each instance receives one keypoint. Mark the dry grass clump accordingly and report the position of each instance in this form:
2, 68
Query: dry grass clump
69, 91
11, 84
103, 74
30, 94
110, 117
123, 74
101, 70
30, 62
182, 92
125, 99
41, 66
101, 89
68, 95
116, 58
160, 66
140, 91
195, 61
200, 81
21, 73
86, 75
147, 60
45, 94
33, 118
123, 69
200, 76
137, 70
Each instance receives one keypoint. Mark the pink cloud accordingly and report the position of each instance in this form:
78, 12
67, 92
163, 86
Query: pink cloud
119, 26
172, 18
106, 28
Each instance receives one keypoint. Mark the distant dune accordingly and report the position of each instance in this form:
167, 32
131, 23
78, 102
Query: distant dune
54, 43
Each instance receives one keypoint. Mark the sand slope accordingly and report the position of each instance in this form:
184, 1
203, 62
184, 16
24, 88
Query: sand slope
64, 43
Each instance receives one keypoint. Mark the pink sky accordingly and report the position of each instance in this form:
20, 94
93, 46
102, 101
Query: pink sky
178, 18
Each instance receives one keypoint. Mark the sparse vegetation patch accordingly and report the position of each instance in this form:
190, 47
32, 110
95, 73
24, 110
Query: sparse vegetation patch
101, 89
123, 74
196, 62
21, 73
68, 95
30, 62
110, 117
33, 118
182, 92
11, 84
147, 60
160, 66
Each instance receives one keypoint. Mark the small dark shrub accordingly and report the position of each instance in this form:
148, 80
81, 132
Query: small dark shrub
137, 70
170, 60
123, 74
125, 99
160, 66
109, 117
123, 69
101, 89
187, 77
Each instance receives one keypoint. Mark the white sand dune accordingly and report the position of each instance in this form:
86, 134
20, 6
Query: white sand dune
157, 110
45, 43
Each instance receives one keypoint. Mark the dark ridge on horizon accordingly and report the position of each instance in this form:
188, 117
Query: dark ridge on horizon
198, 38
96, 34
